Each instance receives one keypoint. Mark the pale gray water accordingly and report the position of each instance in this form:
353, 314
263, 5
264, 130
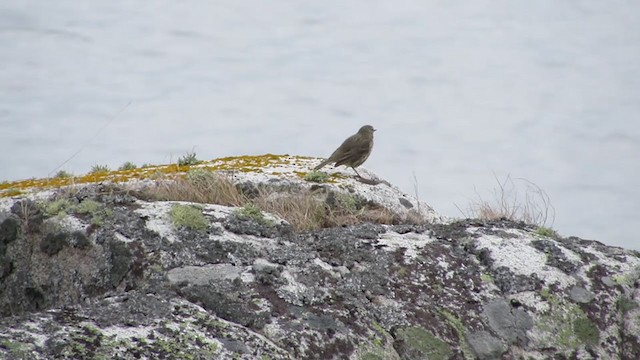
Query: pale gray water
459, 90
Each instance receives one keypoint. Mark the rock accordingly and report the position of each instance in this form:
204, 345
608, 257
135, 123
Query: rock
511, 324
485, 345
580, 295
125, 282
203, 275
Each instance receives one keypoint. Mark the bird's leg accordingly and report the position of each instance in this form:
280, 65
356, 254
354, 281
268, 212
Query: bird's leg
354, 169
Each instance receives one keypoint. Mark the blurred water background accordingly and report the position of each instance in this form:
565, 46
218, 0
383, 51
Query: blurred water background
461, 92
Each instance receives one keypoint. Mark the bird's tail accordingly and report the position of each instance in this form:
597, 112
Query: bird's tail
322, 164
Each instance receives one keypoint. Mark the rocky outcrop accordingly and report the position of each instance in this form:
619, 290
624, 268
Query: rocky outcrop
101, 271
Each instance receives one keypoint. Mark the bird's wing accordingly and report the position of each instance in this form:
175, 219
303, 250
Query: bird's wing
346, 151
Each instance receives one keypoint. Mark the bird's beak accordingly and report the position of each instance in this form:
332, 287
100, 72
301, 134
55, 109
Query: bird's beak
375, 129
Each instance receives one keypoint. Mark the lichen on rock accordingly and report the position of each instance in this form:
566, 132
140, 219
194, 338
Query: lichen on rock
105, 270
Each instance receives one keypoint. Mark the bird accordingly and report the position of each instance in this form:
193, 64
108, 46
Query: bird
354, 150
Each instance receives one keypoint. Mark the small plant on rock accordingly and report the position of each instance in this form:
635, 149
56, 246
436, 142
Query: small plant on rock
127, 166
189, 217
546, 231
99, 169
63, 175
316, 176
97, 211
188, 159
252, 212
516, 200
57, 207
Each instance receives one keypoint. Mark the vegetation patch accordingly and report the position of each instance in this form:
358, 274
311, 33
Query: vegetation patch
188, 159
188, 217
546, 231
625, 304
58, 207
211, 183
147, 171
457, 324
63, 174
316, 176
99, 169
17, 349
566, 326
200, 185
95, 210
417, 343
251, 212
486, 278
586, 331
127, 166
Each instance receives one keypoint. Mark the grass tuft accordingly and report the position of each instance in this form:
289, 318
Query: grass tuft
62, 175
128, 166
517, 200
188, 159
253, 212
199, 186
546, 231
57, 207
99, 169
302, 211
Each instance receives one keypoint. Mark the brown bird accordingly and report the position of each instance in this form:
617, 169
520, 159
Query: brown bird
354, 151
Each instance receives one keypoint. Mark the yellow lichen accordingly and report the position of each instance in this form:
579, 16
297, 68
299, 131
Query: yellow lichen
245, 164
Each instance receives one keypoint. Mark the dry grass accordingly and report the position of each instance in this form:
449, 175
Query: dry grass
305, 210
200, 186
302, 210
514, 199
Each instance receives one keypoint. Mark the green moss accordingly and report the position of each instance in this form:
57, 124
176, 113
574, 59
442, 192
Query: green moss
625, 279
378, 328
545, 231
624, 304
402, 271
486, 278
566, 326
378, 345
371, 356
421, 341
545, 294
457, 324
189, 217
17, 349
586, 331
316, 176
83, 343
